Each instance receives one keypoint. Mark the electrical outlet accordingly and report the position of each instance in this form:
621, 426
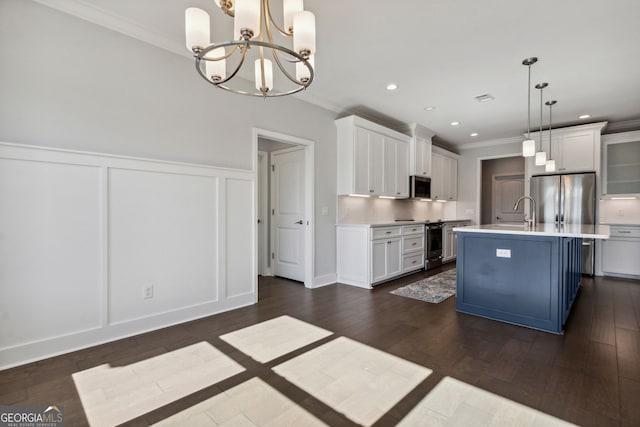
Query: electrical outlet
147, 291
503, 253
620, 212
324, 211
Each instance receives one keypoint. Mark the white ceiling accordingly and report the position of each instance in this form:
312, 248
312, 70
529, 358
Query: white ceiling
441, 53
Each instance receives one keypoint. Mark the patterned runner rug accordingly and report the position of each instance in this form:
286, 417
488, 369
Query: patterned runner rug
434, 289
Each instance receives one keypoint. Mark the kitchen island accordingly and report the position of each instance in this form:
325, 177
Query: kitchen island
525, 276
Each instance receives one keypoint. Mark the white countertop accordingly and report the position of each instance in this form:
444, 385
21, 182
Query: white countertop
567, 230
390, 223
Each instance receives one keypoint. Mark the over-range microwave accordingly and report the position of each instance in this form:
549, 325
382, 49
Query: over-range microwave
420, 187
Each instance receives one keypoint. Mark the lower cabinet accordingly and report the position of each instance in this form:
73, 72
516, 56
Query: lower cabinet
368, 255
621, 252
449, 241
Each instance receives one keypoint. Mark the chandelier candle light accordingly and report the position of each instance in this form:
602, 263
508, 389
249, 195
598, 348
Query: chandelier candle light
550, 165
254, 29
541, 156
529, 146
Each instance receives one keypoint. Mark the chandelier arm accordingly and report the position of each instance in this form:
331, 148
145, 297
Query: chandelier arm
269, 18
227, 55
284, 71
230, 76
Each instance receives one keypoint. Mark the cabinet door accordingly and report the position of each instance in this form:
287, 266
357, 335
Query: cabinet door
576, 152
437, 168
376, 163
447, 244
390, 167
361, 162
378, 260
423, 157
450, 181
402, 169
620, 256
394, 257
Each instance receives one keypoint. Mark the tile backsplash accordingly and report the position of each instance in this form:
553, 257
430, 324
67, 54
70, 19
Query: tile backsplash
619, 211
355, 210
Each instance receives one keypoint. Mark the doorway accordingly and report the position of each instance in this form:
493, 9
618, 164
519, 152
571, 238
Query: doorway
284, 170
501, 184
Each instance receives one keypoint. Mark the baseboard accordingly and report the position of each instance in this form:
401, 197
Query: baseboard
324, 280
51, 347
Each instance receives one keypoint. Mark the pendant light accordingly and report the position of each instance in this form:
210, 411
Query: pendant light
550, 165
541, 156
529, 146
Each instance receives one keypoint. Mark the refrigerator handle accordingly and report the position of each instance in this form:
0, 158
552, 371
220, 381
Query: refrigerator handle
561, 201
557, 219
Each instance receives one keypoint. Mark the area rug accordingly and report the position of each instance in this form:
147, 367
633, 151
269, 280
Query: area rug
434, 289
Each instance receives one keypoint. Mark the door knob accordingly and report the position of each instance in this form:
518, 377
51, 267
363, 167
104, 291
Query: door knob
298, 222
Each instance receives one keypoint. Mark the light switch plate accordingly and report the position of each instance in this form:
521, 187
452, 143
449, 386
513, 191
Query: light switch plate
503, 253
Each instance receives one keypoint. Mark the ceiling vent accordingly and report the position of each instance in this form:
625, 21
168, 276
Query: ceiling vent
485, 97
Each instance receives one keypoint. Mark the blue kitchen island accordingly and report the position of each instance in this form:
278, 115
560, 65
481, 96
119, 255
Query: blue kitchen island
525, 276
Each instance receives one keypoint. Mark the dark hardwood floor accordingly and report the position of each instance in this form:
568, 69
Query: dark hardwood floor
590, 376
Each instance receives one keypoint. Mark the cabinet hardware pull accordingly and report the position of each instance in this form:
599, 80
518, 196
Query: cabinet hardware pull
414, 261
388, 232
388, 242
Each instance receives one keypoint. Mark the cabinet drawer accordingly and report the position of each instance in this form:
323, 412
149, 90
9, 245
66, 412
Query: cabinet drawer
625, 232
384, 232
412, 262
410, 244
412, 229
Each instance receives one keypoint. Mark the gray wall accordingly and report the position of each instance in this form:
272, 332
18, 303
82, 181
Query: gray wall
67, 83
502, 166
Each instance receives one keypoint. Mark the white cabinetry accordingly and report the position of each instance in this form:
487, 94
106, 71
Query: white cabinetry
372, 160
420, 150
575, 148
368, 255
444, 175
621, 252
449, 241
621, 164
412, 247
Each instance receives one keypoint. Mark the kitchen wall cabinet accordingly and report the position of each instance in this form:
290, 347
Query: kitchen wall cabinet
368, 255
575, 148
621, 164
372, 160
449, 241
621, 252
420, 150
444, 175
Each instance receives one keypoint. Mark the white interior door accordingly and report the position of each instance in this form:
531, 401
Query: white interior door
506, 189
288, 213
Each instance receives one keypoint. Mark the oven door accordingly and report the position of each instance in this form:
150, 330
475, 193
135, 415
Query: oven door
434, 241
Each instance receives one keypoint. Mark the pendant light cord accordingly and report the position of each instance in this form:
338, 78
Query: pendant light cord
529, 105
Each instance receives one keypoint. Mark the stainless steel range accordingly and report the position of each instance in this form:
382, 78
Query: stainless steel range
433, 241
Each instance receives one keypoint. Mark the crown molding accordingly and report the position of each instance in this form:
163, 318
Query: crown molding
490, 143
625, 126
84, 10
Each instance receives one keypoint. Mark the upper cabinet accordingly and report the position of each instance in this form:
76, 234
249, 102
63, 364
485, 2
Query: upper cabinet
444, 175
621, 164
372, 159
420, 150
575, 148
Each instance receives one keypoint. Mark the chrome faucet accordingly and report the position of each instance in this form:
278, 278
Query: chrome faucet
531, 222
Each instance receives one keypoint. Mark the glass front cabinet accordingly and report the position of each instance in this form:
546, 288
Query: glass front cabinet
621, 164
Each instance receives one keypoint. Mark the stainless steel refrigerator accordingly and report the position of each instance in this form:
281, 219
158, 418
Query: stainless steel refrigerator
568, 199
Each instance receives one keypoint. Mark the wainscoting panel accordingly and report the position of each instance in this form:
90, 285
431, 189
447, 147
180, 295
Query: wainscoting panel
83, 234
162, 234
50, 250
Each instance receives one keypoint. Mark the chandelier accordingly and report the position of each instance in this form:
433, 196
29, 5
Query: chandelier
254, 41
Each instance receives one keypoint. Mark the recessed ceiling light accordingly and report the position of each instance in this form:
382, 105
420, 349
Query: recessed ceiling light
474, 134
429, 108
392, 86
455, 123
485, 97
584, 116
